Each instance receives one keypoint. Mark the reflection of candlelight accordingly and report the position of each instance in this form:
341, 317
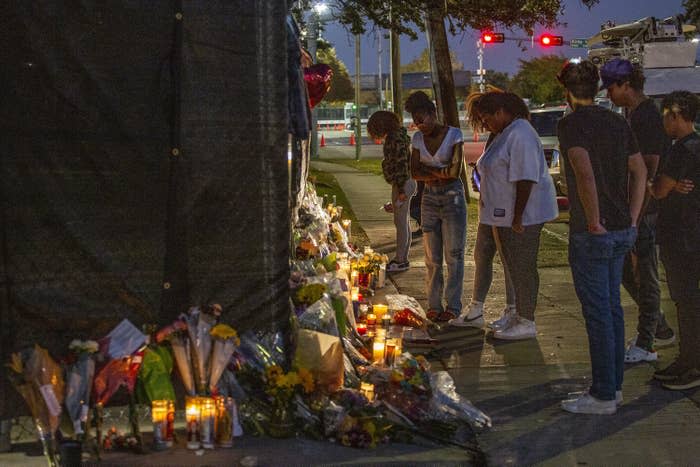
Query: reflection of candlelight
159, 416
192, 415
378, 351
367, 389
380, 310
208, 413
347, 225
371, 319
361, 329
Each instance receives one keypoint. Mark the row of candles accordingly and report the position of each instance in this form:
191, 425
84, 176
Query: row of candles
211, 421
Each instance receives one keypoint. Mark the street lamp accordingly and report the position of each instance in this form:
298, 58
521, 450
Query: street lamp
317, 11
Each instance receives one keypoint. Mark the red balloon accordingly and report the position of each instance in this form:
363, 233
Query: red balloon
318, 82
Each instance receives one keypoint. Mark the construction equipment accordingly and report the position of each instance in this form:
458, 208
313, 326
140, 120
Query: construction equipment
652, 42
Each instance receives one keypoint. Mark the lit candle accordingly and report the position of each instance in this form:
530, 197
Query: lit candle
353, 277
224, 421
378, 351
192, 415
379, 310
170, 424
371, 319
391, 347
208, 414
367, 389
361, 329
386, 321
159, 416
355, 293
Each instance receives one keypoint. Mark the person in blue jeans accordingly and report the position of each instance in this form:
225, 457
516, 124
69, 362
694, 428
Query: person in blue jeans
606, 176
436, 159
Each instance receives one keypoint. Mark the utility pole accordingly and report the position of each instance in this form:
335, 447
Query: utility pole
396, 102
358, 118
481, 71
443, 81
380, 39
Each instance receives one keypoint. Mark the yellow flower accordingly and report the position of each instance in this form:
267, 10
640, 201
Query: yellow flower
274, 373
306, 379
224, 331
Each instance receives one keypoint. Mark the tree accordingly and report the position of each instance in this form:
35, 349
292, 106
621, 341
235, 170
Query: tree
497, 79
342, 89
422, 63
537, 80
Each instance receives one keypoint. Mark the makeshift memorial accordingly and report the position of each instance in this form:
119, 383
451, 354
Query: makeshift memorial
39, 380
281, 387
192, 418
199, 321
225, 407
159, 417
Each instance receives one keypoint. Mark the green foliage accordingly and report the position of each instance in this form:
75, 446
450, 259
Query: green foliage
341, 86
497, 79
537, 80
405, 15
692, 11
422, 63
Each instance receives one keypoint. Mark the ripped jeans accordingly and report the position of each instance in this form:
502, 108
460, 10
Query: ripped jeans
444, 224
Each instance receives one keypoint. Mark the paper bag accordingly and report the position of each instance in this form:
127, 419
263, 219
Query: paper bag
322, 355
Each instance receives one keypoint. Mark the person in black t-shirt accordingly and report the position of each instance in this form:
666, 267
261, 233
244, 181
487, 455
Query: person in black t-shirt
679, 234
604, 170
625, 85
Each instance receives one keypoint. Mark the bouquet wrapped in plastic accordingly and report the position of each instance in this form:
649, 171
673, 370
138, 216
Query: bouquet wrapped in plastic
225, 342
39, 379
180, 345
406, 311
154, 382
200, 321
79, 377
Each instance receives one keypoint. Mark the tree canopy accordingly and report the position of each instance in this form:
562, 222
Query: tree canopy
422, 63
405, 15
342, 88
537, 80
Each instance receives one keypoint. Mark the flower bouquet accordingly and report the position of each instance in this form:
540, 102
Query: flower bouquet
281, 388
39, 379
200, 321
225, 342
79, 377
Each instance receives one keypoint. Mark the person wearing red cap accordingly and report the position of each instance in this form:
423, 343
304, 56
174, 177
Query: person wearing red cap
624, 82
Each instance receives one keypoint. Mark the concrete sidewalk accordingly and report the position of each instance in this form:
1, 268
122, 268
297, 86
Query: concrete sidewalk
520, 384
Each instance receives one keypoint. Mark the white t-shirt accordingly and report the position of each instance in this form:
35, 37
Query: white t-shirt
442, 156
515, 154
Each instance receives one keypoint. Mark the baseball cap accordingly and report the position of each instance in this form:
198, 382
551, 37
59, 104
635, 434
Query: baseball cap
617, 69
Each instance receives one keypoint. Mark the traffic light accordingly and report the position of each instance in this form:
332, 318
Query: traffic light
492, 37
548, 40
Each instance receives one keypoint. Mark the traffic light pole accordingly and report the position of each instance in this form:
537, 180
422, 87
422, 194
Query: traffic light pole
358, 116
480, 48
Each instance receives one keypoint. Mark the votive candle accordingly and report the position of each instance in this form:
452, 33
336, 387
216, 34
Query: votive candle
378, 351
371, 319
208, 414
192, 416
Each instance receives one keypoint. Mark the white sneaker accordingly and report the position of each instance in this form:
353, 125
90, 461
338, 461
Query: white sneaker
509, 312
518, 328
635, 354
588, 404
472, 316
618, 396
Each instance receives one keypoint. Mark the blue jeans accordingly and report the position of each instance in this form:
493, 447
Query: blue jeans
596, 266
444, 224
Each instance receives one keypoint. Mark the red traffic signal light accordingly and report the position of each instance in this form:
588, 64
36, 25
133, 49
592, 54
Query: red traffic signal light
548, 40
492, 37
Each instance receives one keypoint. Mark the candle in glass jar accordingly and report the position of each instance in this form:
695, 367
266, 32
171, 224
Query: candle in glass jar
379, 310
170, 424
353, 277
192, 418
159, 416
361, 329
378, 351
224, 421
347, 225
386, 321
367, 389
390, 352
371, 319
207, 426
355, 294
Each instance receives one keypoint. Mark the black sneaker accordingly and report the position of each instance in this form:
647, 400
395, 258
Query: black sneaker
395, 266
671, 372
688, 380
664, 338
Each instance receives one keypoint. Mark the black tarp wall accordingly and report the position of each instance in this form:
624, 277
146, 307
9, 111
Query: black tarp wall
143, 167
